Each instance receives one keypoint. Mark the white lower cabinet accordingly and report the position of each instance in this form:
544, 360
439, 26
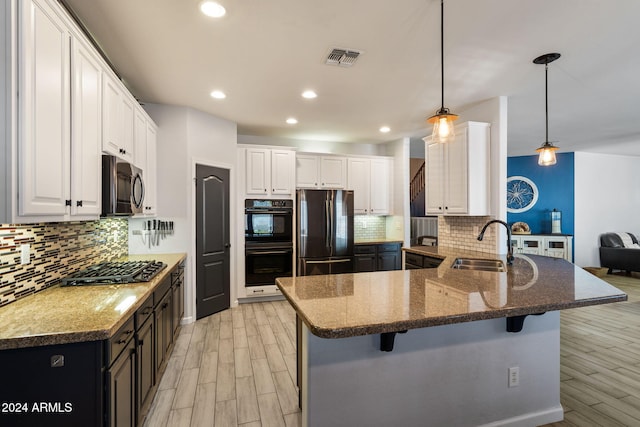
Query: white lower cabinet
370, 179
544, 244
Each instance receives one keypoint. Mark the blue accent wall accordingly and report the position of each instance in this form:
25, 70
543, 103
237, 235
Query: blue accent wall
556, 191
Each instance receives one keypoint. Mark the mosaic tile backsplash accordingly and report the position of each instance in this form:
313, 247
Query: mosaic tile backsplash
57, 250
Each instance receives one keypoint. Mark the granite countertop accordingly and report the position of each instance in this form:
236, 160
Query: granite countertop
62, 315
346, 305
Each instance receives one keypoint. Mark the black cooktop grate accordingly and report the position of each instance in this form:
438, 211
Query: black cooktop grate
115, 273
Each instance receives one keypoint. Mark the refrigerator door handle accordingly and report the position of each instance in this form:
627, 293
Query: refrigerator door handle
327, 225
328, 261
333, 225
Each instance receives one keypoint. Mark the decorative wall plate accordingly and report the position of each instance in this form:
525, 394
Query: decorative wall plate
522, 194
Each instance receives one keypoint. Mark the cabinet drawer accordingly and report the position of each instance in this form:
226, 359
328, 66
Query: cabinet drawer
144, 312
119, 341
389, 247
161, 290
364, 249
177, 275
413, 259
431, 262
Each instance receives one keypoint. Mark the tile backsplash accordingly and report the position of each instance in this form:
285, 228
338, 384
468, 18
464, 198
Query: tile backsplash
56, 250
460, 232
369, 227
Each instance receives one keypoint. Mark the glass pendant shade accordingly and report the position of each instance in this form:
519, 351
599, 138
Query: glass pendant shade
443, 128
547, 154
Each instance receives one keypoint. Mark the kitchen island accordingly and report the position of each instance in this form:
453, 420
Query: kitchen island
448, 357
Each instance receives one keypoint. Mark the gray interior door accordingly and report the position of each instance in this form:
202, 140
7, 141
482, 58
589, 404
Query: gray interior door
212, 240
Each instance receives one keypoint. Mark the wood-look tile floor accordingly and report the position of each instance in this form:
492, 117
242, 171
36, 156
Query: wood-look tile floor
234, 368
237, 367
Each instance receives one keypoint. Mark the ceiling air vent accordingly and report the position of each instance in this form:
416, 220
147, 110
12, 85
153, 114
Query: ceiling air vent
342, 57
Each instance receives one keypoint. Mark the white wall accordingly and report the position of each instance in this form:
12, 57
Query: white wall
309, 146
398, 225
607, 198
186, 137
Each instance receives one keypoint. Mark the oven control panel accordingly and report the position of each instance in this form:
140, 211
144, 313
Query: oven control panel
255, 203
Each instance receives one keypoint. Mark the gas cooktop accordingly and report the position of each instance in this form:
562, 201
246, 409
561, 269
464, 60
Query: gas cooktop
108, 273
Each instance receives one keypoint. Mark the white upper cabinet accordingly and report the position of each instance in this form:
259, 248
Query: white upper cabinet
282, 171
321, 171
358, 180
370, 180
44, 111
269, 171
117, 119
457, 173
150, 171
140, 139
86, 139
70, 109
307, 166
381, 185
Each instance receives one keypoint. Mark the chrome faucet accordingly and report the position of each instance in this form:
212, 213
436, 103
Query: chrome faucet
509, 247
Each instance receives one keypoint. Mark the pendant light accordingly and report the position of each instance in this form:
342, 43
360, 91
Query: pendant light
547, 150
443, 130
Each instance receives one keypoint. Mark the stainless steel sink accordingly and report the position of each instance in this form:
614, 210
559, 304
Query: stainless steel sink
479, 264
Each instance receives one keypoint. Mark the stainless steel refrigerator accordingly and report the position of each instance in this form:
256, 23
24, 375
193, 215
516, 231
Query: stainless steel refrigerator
325, 231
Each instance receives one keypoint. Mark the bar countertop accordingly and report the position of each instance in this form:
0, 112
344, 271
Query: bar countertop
346, 305
62, 315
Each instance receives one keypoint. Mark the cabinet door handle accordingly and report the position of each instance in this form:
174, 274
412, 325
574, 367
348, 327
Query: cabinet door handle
79, 203
140, 342
67, 202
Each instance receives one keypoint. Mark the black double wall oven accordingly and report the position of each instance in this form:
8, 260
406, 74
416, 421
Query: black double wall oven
268, 233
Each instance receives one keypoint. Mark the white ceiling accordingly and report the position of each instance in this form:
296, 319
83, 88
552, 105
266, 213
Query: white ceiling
263, 54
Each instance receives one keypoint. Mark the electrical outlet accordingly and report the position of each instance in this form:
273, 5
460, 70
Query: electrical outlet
136, 232
514, 376
24, 254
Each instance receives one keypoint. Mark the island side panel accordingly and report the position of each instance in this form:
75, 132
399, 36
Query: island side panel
445, 375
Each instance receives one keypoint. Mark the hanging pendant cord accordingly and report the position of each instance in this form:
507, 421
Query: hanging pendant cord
442, 54
546, 102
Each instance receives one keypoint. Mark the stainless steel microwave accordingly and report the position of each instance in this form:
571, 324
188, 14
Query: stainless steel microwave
122, 187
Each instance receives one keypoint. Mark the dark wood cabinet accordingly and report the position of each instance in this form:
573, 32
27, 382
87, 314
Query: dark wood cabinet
146, 367
414, 261
177, 282
164, 330
389, 257
377, 257
121, 382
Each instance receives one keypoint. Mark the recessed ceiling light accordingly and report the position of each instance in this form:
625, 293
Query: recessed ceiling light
218, 94
212, 9
292, 120
385, 129
309, 94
